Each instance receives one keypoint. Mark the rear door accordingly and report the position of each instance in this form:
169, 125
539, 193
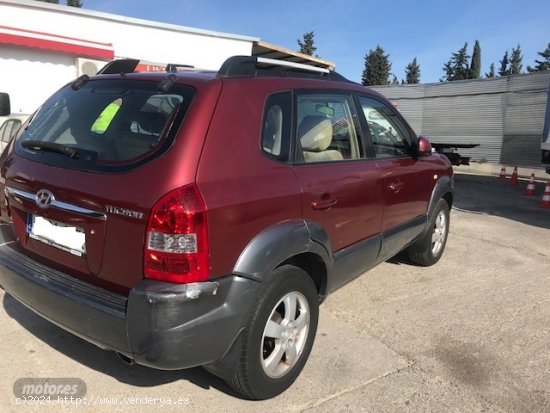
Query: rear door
340, 185
406, 180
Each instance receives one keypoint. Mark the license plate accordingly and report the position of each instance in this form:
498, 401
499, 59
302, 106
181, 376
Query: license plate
65, 237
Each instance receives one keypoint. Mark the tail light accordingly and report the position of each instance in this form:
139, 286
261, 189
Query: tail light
176, 248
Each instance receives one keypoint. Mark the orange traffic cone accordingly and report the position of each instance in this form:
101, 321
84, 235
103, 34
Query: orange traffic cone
514, 178
545, 203
502, 174
530, 190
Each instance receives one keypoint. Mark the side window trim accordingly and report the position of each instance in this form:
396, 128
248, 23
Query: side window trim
366, 137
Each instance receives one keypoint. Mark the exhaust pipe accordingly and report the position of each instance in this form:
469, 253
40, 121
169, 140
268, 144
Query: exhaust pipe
125, 359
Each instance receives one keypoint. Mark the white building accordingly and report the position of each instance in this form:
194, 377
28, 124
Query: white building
43, 46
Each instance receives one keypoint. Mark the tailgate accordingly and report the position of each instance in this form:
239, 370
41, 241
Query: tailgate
77, 223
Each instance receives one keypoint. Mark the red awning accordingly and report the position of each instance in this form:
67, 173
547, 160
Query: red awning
62, 44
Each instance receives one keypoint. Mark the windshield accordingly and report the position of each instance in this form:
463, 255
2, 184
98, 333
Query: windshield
105, 125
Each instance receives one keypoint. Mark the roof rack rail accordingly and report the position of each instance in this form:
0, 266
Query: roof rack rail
174, 67
119, 66
261, 66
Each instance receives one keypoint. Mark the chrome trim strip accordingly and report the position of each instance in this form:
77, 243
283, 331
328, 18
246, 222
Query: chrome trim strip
64, 206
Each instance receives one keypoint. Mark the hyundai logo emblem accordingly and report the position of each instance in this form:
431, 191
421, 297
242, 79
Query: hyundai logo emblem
44, 198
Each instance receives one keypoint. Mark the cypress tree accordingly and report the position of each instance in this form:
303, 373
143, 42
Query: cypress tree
516, 61
475, 65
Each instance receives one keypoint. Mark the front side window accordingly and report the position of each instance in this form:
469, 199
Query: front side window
325, 128
106, 125
387, 132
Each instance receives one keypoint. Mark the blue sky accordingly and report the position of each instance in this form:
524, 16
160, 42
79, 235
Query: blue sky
345, 30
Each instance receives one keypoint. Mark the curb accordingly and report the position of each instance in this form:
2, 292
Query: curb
490, 169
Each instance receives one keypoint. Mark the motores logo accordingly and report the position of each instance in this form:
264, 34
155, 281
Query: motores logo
27, 387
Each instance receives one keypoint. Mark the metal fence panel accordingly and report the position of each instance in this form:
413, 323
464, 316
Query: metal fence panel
504, 115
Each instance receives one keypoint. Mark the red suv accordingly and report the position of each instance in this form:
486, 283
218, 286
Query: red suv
199, 218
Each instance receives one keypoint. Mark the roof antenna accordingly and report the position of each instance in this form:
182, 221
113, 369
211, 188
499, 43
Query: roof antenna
167, 83
79, 82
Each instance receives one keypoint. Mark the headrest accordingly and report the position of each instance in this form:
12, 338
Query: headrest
151, 122
315, 133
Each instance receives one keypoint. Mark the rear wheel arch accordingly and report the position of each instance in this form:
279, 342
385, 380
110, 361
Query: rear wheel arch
315, 267
288, 242
267, 328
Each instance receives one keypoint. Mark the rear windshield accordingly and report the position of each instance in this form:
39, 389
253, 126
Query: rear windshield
106, 125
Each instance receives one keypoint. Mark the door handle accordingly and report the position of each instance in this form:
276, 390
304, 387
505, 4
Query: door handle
396, 186
324, 203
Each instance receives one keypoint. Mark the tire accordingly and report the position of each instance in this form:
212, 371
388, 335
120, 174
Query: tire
428, 249
276, 343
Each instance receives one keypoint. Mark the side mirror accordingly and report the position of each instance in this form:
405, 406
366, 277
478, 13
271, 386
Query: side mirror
5, 109
424, 146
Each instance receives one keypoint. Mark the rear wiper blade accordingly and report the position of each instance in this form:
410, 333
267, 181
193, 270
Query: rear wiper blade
52, 147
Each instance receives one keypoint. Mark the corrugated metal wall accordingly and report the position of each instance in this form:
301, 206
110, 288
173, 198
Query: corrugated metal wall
409, 100
525, 108
505, 115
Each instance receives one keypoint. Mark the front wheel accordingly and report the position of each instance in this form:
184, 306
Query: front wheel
279, 334
428, 249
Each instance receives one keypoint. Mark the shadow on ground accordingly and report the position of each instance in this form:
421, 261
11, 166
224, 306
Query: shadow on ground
491, 196
103, 361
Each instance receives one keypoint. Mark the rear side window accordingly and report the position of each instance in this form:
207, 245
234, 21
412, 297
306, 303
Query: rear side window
107, 125
276, 126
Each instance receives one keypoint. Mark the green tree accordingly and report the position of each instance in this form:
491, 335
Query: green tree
377, 68
394, 80
516, 60
307, 44
412, 72
491, 71
504, 63
457, 67
475, 65
448, 69
543, 64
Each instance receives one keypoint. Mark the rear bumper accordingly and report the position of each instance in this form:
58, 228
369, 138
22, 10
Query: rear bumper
159, 325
